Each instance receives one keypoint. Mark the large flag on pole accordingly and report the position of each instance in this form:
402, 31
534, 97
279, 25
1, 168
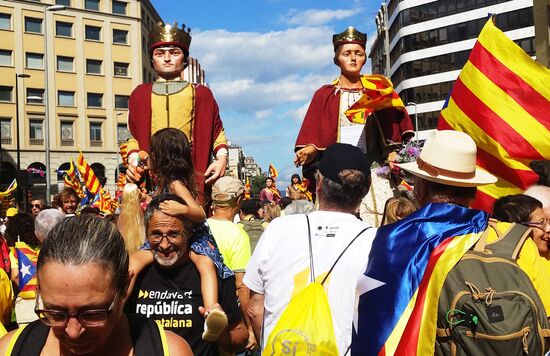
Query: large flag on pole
72, 180
502, 100
88, 176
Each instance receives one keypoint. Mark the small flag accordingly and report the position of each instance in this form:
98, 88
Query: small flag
26, 258
72, 180
247, 188
88, 176
12, 187
272, 171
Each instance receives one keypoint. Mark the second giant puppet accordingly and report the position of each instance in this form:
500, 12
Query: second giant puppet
174, 102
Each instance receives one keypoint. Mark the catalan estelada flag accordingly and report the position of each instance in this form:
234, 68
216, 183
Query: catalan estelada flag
26, 258
502, 100
378, 94
272, 171
408, 263
88, 176
73, 181
247, 188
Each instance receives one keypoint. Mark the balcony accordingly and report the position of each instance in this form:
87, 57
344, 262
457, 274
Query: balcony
37, 142
6, 140
67, 142
96, 143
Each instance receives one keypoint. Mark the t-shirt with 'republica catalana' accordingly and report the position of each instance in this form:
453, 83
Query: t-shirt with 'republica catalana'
171, 297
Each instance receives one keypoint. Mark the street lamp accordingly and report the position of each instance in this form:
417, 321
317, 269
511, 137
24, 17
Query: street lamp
17, 132
415, 118
46, 99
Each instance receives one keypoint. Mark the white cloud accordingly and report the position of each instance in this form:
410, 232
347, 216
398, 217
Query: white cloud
262, 114
316, 17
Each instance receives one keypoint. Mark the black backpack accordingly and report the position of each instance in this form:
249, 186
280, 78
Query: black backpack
488, 305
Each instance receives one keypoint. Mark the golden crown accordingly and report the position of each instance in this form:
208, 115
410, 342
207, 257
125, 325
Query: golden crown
162, 34
350, 35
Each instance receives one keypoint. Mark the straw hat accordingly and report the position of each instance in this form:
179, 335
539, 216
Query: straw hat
449, 157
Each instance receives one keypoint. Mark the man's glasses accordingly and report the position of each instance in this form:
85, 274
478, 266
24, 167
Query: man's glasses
37, 206
171, 237
538, 224
59, 318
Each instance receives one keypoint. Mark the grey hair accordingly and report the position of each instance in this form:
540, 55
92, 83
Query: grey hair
299, 207
348, 195
154, 206
45, 221
87, 239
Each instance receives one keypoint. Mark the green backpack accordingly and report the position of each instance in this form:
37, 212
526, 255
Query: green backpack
488, 305
254, 229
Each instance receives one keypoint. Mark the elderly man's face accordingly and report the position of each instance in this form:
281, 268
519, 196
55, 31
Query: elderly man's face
169, 239
36, 207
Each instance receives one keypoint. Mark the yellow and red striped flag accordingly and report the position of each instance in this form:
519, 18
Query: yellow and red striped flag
124, 153
72, 181
10, 189
502, 100
247, 188
88, 176
272, 171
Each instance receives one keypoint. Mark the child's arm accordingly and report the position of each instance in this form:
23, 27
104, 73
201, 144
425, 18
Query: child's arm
193, 211
209, 279
138, 262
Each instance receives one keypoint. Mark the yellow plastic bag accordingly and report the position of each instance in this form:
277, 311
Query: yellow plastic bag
305, 328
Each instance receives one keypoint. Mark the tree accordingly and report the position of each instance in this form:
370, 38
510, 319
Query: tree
256, 185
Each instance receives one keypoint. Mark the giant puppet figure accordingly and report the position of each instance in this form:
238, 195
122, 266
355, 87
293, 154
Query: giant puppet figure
362, 110
173, 102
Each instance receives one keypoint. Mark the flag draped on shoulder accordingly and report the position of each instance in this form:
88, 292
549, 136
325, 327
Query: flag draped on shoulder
88, 176
378, 94
502, 100
408, 263
73, 181
26, 258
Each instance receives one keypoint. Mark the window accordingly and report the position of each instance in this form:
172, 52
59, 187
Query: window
5, 93
119, 7
95, 100
121, 101
65, 64
122, 133
93, 66
5, 57
91, 5
93, 33
120, 36
34, 60
5, 130
95, 131
35, 96
35, 130
65, 98
5, 22
63, 2
33, 25
64, 29
121, 69
67, 133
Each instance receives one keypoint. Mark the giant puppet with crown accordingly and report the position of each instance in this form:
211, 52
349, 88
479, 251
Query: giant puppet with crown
362, 110
173, 102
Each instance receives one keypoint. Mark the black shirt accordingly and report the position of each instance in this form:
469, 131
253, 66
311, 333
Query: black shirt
171, 297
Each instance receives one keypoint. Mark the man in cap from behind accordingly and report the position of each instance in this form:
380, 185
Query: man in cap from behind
173, 102
391, 296
233, 242
280, 265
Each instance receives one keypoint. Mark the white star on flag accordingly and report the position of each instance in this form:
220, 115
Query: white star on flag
364, 285
25, 270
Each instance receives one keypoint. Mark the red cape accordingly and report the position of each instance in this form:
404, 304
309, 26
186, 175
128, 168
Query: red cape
206, 128
320, 126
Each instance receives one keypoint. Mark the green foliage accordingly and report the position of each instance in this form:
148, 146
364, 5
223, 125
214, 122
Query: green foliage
256, 185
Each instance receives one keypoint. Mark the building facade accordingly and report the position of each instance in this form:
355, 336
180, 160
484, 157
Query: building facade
80, 60
541, 10
430, 41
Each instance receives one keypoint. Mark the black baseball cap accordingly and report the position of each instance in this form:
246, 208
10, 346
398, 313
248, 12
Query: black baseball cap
341, 156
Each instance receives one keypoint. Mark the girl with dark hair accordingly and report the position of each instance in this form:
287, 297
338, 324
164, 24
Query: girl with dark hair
296, 190
171, 168
526, 210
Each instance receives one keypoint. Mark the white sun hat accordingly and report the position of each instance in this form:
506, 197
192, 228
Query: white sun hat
449, 157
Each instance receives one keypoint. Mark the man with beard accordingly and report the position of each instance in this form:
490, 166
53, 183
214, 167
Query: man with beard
169, 291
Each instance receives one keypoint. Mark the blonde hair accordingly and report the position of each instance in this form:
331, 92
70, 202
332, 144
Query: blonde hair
272, 211
397, 209
130, 222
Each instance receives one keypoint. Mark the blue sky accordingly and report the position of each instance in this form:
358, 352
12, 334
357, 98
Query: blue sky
264, 59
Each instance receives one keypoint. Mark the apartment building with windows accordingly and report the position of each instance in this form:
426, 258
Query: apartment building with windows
430, 41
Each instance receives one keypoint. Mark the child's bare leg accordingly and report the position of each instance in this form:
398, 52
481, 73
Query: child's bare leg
138, 261
209, 280
216, 320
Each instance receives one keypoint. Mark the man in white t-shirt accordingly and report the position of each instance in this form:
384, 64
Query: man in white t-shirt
279, 266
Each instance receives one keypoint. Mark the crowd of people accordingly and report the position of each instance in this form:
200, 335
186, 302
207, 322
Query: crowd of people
191, 266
